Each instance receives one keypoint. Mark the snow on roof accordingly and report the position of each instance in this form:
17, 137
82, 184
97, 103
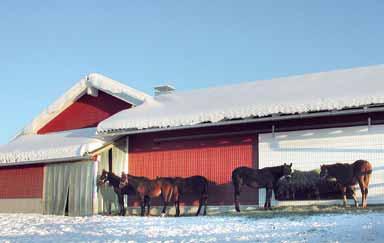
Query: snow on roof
34, 148
93, 80
323, 91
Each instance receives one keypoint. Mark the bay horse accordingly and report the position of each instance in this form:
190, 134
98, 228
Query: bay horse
196, 185
147, 189
258, 178
114, 181
348, 175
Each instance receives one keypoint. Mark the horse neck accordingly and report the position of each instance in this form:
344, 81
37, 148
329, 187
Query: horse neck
277, 171
333, 170
113, 179
133, 180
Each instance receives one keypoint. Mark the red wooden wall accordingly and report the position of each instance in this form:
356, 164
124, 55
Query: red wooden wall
86, 112
214, 158
22, 181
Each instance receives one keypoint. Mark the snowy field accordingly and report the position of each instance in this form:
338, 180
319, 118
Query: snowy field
359, 226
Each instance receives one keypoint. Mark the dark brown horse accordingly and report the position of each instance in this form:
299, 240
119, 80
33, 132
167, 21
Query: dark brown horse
114, 181
195, 185
147, 189
258, 178
348, 175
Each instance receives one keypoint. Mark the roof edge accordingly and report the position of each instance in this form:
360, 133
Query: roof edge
95, 80
49, 161
124, 132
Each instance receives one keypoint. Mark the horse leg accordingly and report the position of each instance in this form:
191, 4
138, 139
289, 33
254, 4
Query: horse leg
354, 197
121, 204
148, 205
267, 204
344, 192
362, 189
205, 204
200, 204
165, 202
366, 183
236, 185
365, 197
142, 205
177, 206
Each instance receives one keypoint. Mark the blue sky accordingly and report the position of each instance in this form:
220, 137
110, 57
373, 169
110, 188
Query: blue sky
46, 46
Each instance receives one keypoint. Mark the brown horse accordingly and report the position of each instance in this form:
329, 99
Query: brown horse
196, 185
258, 178
348, 175
147, 189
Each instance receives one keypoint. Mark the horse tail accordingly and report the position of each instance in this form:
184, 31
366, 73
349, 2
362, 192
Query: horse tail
236, 181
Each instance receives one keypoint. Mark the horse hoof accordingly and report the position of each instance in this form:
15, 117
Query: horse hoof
162, 214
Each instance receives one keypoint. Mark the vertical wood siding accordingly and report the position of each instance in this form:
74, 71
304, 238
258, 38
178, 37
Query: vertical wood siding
21, 182
213, 158
86, 112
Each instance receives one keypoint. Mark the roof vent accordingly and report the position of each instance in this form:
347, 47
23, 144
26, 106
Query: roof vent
164, 89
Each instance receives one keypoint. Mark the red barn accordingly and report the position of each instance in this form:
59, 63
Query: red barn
306, 120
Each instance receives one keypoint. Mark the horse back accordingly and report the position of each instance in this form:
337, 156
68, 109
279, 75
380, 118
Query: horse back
197, 183
256, 177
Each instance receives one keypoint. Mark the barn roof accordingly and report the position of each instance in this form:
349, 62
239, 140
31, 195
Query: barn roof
325, 91
60, 146
84, 85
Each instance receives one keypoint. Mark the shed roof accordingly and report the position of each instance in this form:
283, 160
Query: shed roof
60, 146
325, 91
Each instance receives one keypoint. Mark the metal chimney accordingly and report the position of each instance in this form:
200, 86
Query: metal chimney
164, 89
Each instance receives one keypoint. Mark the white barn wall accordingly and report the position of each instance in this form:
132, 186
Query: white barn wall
309, 149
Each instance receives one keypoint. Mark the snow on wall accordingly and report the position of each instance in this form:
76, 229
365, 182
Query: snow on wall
93, 80
61, 145
324, 91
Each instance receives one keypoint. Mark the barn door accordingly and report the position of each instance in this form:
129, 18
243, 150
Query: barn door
309, 149
107, 198
69, 186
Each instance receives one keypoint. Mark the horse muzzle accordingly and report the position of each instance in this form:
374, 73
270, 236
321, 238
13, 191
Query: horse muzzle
122, 185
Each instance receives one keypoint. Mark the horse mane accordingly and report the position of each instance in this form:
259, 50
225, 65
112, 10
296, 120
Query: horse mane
274, 169
113, 178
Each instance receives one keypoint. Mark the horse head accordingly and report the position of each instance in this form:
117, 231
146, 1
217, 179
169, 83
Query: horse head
323, 172
103, 177
123, 180
287, 170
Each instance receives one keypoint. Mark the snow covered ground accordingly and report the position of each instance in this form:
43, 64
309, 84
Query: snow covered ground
341, 227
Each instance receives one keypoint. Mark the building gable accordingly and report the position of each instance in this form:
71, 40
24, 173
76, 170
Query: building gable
86, 112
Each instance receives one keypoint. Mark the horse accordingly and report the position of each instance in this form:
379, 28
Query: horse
348, 175
147, 189
258, 178
114, 181
182, 186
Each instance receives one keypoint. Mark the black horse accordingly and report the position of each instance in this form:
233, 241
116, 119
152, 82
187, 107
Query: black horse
258, 178
114, 181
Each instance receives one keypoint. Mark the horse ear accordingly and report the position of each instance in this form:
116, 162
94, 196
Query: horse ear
290, 165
